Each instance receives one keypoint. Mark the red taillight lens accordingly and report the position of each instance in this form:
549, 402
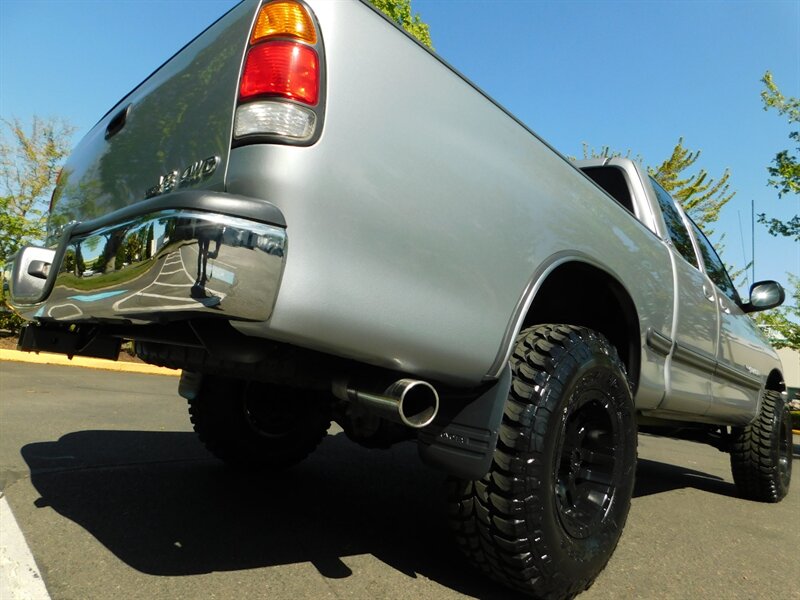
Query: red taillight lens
283, 69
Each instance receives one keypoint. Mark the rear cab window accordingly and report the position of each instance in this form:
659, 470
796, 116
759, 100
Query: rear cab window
612, 180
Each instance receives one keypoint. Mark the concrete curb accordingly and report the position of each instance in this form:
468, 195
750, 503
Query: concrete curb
45, 358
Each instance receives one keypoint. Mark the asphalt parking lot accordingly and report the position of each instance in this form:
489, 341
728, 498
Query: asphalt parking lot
117, 499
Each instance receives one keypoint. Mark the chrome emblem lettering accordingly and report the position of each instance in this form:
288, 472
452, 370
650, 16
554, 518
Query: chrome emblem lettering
192, 174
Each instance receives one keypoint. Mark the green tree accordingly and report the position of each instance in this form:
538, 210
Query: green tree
784, 174
399, 11
700, 195
781, 324
29, 165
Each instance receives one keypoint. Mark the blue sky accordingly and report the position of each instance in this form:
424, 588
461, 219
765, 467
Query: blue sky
631, 75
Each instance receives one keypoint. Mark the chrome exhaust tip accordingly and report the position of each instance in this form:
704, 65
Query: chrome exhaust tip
412, 402
417, 402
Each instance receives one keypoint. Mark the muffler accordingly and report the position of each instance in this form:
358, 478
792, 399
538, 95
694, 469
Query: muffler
411, 402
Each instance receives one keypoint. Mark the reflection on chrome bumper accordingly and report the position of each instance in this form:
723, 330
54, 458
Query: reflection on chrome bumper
154, 267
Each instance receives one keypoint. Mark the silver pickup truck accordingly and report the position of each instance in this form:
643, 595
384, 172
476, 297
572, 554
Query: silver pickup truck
317, 219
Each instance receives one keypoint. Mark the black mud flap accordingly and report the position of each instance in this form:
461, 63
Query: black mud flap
462, 439
189, 386
59, 340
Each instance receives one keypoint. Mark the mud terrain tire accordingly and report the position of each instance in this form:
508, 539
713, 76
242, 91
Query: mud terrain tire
761, 453
548, 515
255, 425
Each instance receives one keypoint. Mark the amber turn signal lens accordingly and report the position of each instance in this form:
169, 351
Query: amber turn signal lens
284, 19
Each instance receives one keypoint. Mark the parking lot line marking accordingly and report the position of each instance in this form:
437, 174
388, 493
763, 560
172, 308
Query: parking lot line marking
19, 576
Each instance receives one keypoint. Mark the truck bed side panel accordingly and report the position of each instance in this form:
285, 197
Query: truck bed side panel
418, 219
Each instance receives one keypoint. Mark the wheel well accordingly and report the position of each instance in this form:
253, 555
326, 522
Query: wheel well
577, 293
775, 381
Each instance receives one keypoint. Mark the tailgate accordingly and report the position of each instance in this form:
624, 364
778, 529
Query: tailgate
172, 131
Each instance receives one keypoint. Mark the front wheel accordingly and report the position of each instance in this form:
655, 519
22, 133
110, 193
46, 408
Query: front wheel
761, 453
548, 515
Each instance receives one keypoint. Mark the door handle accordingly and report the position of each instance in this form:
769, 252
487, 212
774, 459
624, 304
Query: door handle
725, 308
708, 293
116, 124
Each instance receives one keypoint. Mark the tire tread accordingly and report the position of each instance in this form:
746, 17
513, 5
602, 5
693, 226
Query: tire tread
754, 454
489, 517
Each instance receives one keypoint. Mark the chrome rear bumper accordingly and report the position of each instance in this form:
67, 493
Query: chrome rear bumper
156, 267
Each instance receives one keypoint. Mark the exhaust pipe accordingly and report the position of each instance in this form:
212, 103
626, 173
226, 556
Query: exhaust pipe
411, 402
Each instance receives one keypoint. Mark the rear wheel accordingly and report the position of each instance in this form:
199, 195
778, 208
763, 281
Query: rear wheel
548, 515
252, 424
761, 453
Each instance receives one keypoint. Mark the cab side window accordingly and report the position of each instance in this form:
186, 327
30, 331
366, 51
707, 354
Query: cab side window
677, 229
714, 266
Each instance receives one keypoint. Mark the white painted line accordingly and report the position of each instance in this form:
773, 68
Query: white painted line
19, 576
149, 295
78, 312
194, 304
183, 266
220, 295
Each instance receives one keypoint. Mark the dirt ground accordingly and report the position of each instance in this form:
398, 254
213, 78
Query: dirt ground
8, 342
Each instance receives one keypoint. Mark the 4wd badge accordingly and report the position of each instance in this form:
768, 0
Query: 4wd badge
195, 172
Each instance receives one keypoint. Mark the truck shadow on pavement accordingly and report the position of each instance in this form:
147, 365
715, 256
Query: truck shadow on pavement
653, 477
162, 505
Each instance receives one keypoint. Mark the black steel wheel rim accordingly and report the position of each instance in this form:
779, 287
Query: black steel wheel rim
587, 463
270, 417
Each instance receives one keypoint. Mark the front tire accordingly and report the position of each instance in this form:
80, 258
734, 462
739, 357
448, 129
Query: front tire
548, 515
761, 453
249, 424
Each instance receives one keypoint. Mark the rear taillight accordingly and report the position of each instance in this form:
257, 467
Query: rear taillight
286, 69
280, 88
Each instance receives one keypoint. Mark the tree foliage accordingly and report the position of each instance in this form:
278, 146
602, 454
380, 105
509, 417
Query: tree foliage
700, 195
782, 325
399, 11
29, 165
607, 152
784, 173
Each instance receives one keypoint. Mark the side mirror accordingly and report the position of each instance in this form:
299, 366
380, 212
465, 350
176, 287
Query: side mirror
765, 295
